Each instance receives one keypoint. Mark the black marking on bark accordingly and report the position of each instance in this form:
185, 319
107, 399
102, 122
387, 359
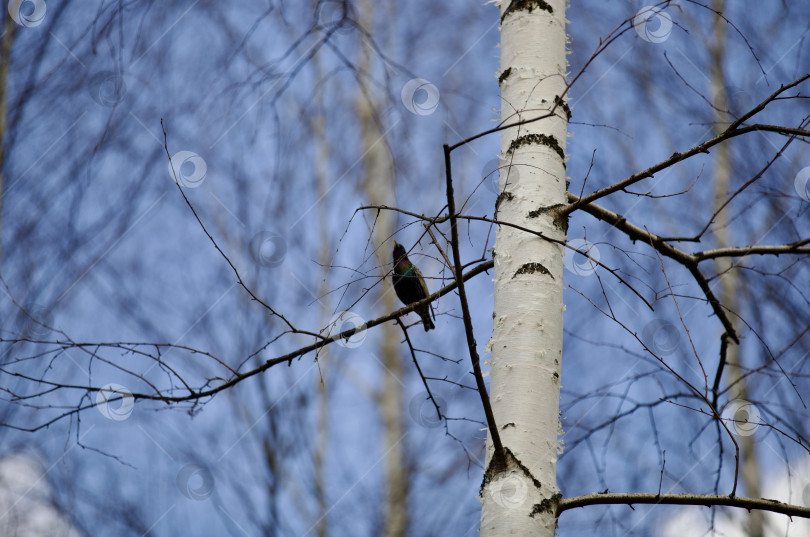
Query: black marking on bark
559, 219
549, 504
510, 424
531, 268
534, 138
543, 210
526, 5
564, 106
556, 377
504, 75
508, 462
497, 464
508, 196
526, 471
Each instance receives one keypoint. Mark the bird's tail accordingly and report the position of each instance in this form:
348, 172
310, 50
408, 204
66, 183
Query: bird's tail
428, 324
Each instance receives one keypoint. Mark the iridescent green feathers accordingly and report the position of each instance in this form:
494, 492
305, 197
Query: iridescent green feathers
410, 286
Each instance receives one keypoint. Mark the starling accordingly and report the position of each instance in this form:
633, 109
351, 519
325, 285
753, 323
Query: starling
410, 285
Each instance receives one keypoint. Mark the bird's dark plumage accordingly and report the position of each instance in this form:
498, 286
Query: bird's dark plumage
410, 285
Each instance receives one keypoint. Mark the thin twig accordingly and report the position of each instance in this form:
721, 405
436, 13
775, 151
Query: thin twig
499, 454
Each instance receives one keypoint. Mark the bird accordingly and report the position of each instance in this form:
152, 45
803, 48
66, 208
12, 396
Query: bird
410, 286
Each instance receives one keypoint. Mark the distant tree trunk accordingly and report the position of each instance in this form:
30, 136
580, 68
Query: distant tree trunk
5, 58
730, 282
379, 188
527, 322
322, 380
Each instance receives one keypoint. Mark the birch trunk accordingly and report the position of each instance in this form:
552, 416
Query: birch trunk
322, 418
730, 281
527, 335
379, 189
5, 57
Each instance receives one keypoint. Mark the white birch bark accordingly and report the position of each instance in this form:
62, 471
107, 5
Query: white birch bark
527, 324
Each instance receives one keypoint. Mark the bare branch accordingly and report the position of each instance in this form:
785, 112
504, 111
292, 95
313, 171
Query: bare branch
707, 500
733, 130
500, 454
